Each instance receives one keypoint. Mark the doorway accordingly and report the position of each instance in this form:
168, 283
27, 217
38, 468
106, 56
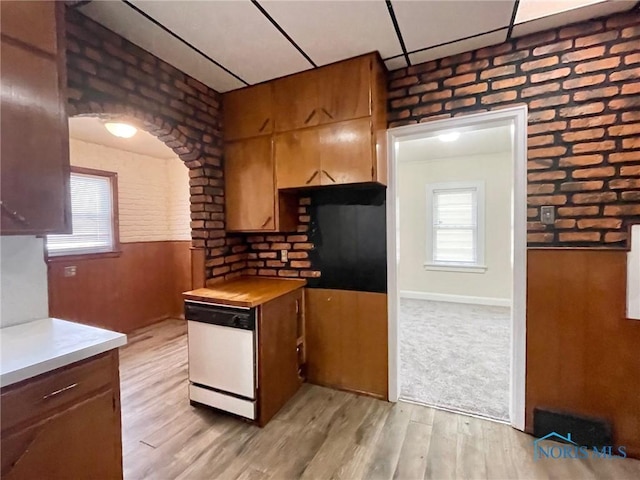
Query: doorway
457, 264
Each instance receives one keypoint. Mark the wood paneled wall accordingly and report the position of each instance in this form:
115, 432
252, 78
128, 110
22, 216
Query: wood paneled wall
347, 341
582, 354
141, 286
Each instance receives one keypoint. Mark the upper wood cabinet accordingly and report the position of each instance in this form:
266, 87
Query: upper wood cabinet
337, 92
252, 202
248, 112
34, 184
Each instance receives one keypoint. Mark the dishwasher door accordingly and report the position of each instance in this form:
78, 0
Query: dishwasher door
222, 358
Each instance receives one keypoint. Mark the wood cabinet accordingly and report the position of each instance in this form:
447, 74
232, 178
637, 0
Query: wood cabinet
278, 366
248, 112
346, 340
253, 203
35, 140
337, 154
336, 92
64, 424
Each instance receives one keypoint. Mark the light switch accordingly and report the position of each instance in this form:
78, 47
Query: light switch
284, 256
70, 271
547, 215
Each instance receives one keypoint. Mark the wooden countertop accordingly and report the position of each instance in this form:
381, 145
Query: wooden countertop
245, 291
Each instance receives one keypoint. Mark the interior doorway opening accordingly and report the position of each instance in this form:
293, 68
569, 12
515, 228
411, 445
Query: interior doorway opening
457, 250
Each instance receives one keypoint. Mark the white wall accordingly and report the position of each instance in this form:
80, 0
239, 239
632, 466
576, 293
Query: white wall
413, 176
153, 193
23, 280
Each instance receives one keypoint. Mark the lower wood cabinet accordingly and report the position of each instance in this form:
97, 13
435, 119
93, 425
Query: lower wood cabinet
346, 340
64, 424
252, 202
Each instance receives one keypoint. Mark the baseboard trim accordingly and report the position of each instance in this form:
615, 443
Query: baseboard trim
445, 297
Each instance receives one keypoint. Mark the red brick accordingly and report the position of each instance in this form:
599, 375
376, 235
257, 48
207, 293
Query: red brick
622, 20
460, 80
544, 176
629, 170
541, 115
507, 96
600, 172
630, 143
461, 103
582, 55
288, 273
594, 66
267, 272
300, 264
625, 103
593, 121
593, 146
275, 263
547, 200
508, 83
472, 67
541, 140
310, 274
582, 186
539, 237
617, 210
578, 211
632, 58
624, 183
275, 238
579, 135
433, 96
624, 75
536, 39
553, 48
581, 29
631, 196
564, 223
550, 75
631, 89
540, 188
404, 82
540, 90
631, 32
493, 51
537, 64
613, 237
471, 89
546, 127
595, 39
423, 87
549, 101
581, 160
604, 197
584, 95
268, 255
618, 157
586, 109
624, 130
422, 67
532, 212
303, 246
456, 59
405, 102
539, 164
427, 109
498, 72
624, 47
546, 152
298, 255
584, 81
579, 236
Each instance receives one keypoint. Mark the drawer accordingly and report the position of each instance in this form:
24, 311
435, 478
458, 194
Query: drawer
47, 394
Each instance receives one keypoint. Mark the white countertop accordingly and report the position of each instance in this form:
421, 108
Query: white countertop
40, 346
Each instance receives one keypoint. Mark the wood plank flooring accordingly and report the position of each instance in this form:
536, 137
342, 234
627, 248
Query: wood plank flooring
320, 433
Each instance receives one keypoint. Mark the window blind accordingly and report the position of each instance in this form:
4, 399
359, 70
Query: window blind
455, 226
92, 218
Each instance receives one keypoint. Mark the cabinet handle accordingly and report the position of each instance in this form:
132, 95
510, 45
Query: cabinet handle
327, 113
58, 392
312, 177
266, 122
313, 112
330, 177
265, 222
13, 213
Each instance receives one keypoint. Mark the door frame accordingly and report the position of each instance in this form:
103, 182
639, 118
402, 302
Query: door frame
517, 116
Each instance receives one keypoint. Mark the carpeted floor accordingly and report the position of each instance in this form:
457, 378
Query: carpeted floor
456, 356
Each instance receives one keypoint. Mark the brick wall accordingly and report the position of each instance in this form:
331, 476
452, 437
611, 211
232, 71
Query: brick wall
109, 76
581, 84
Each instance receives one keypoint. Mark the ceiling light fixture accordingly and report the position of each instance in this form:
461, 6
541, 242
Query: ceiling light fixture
449, 137
122, 130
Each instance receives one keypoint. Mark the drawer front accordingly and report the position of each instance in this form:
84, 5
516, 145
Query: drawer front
40, 397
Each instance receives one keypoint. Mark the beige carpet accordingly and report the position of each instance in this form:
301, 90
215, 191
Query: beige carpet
456, 356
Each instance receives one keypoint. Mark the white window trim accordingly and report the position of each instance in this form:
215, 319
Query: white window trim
476, 267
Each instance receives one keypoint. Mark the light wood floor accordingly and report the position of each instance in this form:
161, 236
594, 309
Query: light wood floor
320, 433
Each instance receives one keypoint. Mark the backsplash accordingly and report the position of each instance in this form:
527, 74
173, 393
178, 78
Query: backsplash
23, 280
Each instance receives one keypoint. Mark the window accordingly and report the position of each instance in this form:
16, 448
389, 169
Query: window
94, 215
455, 226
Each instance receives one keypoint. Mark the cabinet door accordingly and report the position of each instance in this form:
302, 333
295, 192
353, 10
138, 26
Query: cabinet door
248, 112
250, 190
346, 340
33, 23
295, 101
344, 90
35, 159
278, 378
297, 156
82, 442
346, 152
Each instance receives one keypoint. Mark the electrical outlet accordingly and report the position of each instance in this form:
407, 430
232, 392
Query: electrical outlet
547, 215
284, 256
70, 271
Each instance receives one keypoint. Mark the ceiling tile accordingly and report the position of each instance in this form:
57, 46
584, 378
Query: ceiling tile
430, 23
572, 16
128, 23
395, 63
459, 47
329, 31
235, 33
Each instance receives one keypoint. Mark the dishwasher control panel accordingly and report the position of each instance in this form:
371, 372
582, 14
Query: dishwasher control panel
244, 319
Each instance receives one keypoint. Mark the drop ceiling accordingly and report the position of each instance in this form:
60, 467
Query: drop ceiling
228, 44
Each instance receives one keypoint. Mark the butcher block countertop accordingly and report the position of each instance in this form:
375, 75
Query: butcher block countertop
245, 291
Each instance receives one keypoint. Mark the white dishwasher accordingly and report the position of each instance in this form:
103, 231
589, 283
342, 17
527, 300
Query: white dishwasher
222, 357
